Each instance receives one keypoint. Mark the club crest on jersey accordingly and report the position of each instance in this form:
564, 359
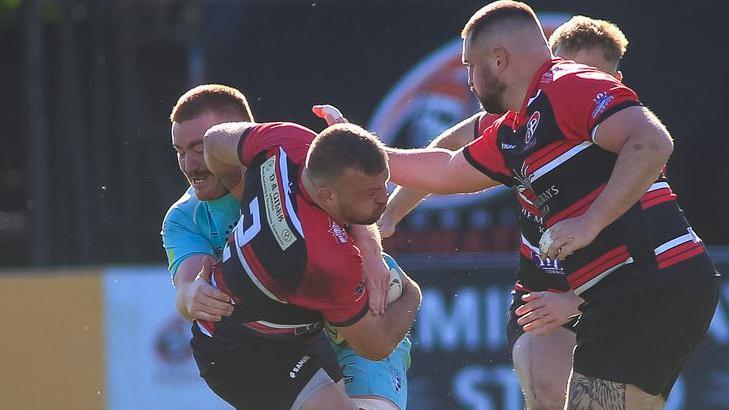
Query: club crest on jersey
531, 128
547, 265
339, 233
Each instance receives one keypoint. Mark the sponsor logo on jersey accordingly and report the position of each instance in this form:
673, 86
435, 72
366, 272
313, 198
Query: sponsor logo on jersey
531, 128
506, 146
274, 207
545, 196
339, 233
602, 100
547, 77
534, 218
299, 365
547, 265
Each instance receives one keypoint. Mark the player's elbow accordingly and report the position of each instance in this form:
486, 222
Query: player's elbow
214, 138
664, 145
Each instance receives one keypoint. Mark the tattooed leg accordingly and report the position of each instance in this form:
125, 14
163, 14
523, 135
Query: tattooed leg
590, 393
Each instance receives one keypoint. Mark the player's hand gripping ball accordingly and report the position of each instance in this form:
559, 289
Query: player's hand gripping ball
396, 272
545, 241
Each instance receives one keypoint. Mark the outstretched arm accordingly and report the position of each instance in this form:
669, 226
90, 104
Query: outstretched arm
436, 170
403, 200
433, 170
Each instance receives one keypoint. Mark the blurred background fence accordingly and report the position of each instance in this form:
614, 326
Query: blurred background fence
86, 166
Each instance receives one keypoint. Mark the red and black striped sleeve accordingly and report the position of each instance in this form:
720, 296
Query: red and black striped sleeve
585, 98
293, 138
484, 153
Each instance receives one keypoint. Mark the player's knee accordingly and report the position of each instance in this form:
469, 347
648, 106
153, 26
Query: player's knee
545, 394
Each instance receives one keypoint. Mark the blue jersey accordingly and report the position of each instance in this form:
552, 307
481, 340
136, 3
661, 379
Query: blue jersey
193, 227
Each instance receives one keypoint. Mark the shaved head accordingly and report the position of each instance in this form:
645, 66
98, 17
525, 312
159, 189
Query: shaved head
505, 20
503, 45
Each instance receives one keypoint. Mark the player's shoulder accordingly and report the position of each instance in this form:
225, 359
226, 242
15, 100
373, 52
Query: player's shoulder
183, 209
283, 126
330, 246
567, 74
485, 120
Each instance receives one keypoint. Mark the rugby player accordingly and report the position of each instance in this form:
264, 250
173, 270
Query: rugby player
542, 363
586, 158
291, 263
198, 224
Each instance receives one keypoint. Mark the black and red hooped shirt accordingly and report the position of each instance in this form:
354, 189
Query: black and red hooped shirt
547, 153
288, 265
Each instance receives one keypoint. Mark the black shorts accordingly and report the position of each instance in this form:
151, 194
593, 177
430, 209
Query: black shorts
259, 373
641, 338
513, 329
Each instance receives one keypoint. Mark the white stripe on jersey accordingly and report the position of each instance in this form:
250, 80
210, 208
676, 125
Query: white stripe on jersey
283, 166
590, 283
278, 326
690, 236
525, 199
544, 169
592, 134
529, 245
531, 100
658, 185
251, 275
202, 329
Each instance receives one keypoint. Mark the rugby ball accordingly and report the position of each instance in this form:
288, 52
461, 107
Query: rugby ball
396, 272
545, 241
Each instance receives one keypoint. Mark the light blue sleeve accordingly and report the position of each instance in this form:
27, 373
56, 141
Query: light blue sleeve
181, 239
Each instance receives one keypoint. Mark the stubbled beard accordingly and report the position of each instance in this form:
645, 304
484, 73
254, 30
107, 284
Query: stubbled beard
491, 96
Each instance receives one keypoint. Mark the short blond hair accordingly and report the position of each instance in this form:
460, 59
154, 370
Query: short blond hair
582, 32
217, 98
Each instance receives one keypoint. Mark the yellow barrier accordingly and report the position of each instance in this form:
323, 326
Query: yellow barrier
51, 350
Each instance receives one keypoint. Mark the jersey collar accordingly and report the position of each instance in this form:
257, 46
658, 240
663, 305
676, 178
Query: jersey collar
536, 81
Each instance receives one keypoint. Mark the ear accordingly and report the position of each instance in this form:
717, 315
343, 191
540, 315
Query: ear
500, 59
619, 75
326, 194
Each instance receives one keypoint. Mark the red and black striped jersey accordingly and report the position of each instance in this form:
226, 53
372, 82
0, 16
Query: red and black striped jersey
288, 265
547, 152
534, 273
